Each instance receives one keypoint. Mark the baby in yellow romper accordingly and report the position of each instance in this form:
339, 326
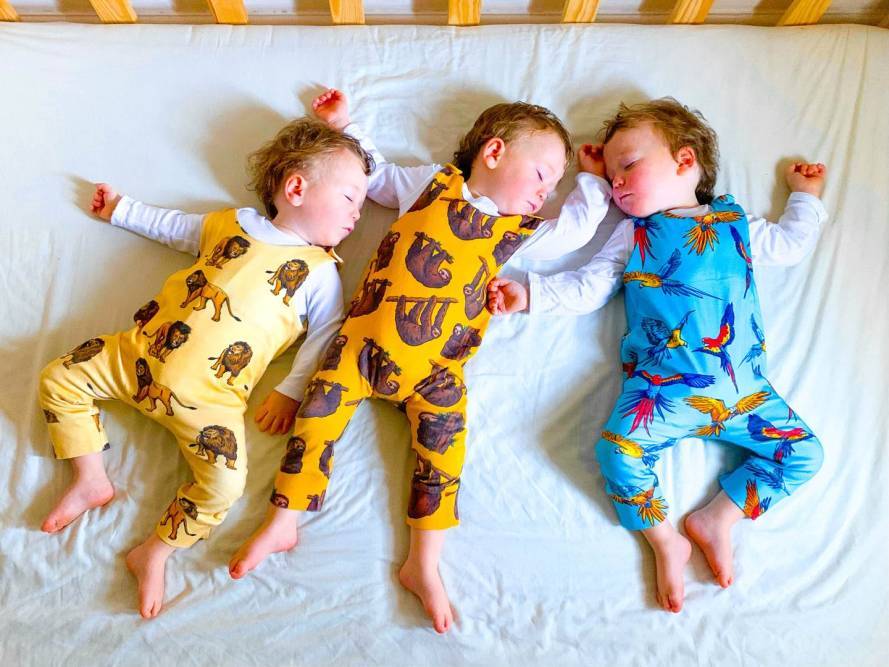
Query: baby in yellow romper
420, 315
200, 346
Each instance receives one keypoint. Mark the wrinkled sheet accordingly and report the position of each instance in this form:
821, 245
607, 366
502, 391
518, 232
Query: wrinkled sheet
540, 573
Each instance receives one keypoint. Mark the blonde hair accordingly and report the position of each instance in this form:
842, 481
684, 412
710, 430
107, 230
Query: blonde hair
679, 126
508, 121
299, 146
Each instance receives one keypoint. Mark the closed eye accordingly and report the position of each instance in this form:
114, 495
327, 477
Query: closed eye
349, 198
539, 175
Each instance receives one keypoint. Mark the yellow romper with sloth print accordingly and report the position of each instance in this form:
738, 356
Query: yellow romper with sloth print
190, 363
418, 317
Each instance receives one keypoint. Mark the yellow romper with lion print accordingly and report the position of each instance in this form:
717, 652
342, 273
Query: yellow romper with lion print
190, 363
418, 317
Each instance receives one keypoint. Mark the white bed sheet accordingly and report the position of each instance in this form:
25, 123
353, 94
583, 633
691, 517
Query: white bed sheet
540, 573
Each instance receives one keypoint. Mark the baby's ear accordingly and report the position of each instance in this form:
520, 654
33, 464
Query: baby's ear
686, 158
294, 189
492, 152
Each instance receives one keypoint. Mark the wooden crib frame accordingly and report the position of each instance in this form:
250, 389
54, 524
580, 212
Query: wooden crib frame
460, 12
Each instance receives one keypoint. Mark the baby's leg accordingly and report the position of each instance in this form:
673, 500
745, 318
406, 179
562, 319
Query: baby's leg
419, 574
67, 397
278, 532
671, 553
148, 563
626, 458
301, 482
785, 454
439, 441
711, 529
89, 489
199, 506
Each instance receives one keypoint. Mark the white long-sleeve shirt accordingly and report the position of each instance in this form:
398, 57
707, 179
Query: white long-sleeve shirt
588, 288
318, 301
399, 187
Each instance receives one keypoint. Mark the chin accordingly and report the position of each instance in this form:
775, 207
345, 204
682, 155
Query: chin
637, 210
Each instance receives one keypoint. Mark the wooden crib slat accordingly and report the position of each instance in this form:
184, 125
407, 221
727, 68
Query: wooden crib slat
804, 12
229, 11
347, 12
464, 12
114, 11
7, 12
690, 11
580, 11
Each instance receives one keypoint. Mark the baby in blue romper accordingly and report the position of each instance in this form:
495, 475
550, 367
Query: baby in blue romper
693, 356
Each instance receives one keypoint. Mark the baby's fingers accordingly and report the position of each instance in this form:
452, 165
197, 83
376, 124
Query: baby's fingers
497, 283
329, 95
593, 151
286, 425
277, 427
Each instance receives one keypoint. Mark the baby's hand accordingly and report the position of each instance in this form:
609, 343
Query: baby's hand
104, 201
276, 414
506, 296
332, 107
591, 159
806, 177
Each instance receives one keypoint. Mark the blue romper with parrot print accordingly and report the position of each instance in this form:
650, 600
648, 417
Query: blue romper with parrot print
694, 365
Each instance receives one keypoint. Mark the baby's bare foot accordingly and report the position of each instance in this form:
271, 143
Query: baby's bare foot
84, 494
147, 562
671, 557
427, 586
715, 540
277, 533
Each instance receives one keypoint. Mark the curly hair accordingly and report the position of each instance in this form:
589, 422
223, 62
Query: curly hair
508, 121
679, 126
299, 146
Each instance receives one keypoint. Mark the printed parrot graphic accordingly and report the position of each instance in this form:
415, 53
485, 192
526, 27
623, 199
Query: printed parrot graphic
661, 279
774, 479
662, 338
650, 509
641, 229
719, 413
703, 235
748, 261
718, 345
634, 450
753, 506
764, 431
757, 349
643, 402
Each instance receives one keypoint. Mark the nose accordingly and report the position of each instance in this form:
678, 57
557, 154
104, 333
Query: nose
617, 181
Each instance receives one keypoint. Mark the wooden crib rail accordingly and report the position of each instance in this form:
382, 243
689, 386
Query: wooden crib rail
7, 12
460, 12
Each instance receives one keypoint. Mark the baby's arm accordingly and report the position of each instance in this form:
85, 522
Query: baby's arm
794, 236
323, 311
570, 292
176, 229
389, 185
580, 215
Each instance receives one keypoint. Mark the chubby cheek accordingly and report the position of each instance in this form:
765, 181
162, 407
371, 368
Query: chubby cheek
644, 188
526, 192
